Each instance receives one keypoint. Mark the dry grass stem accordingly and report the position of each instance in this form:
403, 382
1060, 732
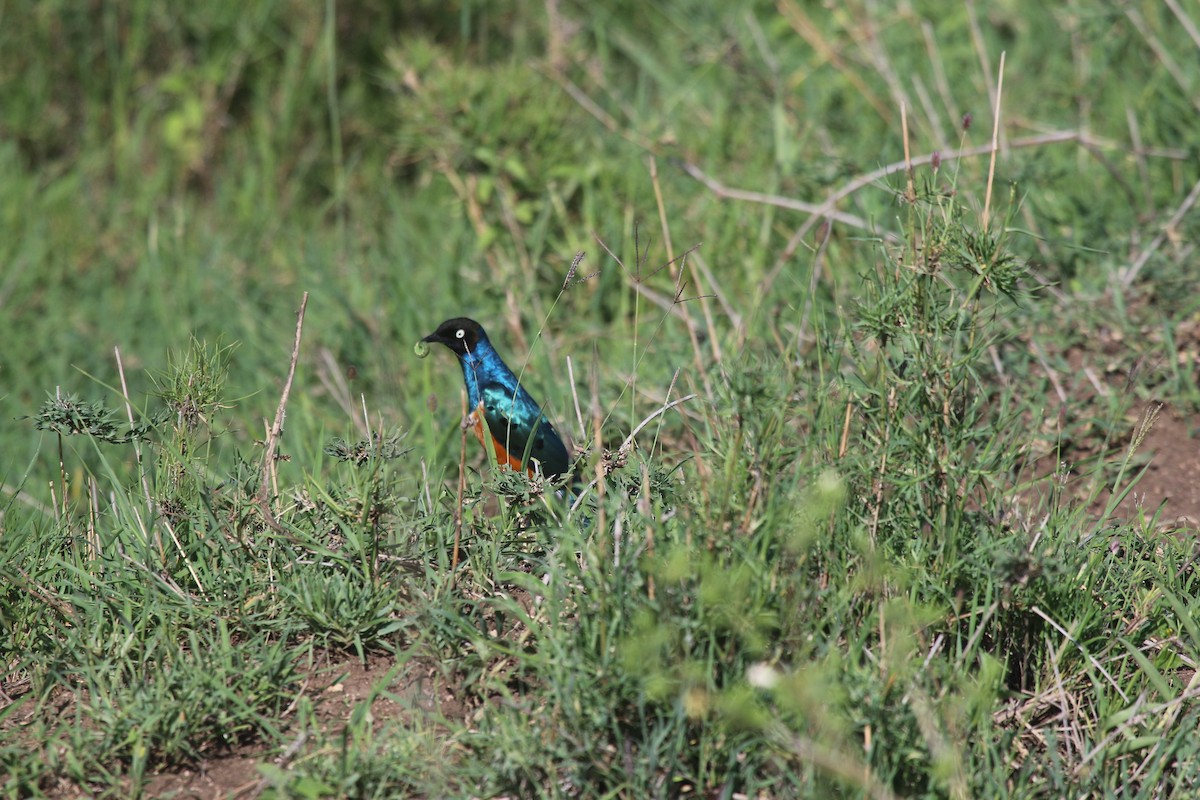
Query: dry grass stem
987, 197
276, 429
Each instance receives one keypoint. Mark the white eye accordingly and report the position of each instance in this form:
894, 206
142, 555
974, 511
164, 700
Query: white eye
460, 333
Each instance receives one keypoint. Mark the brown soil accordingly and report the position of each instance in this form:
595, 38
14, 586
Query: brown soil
1172, 477
340, 687
336, 687
1163, 437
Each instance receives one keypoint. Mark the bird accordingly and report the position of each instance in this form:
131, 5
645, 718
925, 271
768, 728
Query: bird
521, 435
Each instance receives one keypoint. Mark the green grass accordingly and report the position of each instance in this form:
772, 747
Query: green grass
874, 554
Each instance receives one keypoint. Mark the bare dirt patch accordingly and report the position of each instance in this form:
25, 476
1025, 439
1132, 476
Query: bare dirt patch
1110, 367
337, 688
1172, 477
1164, 467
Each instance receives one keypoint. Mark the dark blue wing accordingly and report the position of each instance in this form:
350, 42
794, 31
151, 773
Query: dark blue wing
517, 422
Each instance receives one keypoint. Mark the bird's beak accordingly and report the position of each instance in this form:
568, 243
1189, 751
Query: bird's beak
433, 337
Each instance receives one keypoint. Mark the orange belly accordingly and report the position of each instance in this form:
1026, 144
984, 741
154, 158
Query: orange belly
503, 458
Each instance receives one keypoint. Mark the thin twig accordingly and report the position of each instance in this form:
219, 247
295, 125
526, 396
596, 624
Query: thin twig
182, 553
813, 279
598, 443
1040, 355
1130, 274
980, 627
644, 504
93, 538
575, 398
137, 445
987, 198
1139, 158
333, 378
676, 268
1091, 659
668, 304
825, 210
462, 490
910, 184
1094, 379
845, 429
877, 501
816, 209
43, 594
277, 427
713, 340
659, 411
62, 470
727, 308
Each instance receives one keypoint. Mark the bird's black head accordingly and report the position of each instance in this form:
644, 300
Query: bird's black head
459, 334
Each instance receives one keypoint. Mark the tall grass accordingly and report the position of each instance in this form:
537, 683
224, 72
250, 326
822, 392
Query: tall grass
827, 540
